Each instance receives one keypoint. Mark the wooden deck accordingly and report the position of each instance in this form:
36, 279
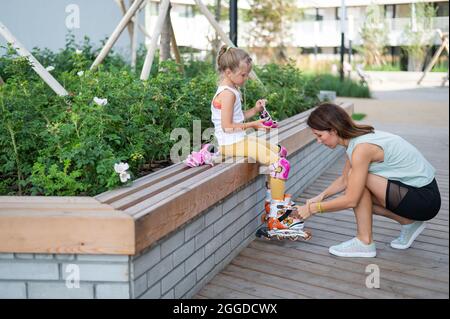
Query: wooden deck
300, 270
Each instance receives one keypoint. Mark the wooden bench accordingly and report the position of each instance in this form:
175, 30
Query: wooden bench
129, 219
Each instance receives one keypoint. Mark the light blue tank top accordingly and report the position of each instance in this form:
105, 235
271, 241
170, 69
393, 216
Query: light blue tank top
402, 161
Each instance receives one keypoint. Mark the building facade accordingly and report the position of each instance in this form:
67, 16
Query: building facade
318, 30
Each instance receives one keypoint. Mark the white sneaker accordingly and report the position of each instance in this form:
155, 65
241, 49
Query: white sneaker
354, 248
408, 234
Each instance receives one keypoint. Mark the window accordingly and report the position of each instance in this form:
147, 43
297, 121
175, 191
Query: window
442, 9
187, 11
389, 11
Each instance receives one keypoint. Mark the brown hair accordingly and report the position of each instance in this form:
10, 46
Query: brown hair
231, 58
328, 116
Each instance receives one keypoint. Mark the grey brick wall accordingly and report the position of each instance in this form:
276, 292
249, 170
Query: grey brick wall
177, 266
50, 276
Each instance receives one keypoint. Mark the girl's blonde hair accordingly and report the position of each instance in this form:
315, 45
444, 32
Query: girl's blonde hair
231, 58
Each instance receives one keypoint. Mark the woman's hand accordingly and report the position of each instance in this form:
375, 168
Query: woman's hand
316, 199
260, 105
303, 212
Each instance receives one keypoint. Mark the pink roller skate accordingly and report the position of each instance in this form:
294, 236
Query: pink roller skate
268, 121
203, 157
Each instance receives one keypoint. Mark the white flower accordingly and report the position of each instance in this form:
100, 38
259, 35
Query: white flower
78, 51
124, 177
50, 68
80, 73
100, 101
121, 167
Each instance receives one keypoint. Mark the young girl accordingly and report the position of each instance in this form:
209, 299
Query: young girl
234, 66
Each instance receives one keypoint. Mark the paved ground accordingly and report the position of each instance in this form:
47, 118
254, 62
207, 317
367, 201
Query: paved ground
307, 270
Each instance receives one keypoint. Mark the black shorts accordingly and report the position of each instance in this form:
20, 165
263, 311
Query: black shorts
416, 203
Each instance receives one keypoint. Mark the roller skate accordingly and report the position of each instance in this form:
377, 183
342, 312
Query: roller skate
268, 120
283, 226
205, 156
286, 202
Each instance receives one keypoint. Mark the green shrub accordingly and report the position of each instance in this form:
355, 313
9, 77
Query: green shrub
347, 88
51, 145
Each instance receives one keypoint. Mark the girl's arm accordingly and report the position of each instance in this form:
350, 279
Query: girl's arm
259, 106
356, 183
250, 113
227, 100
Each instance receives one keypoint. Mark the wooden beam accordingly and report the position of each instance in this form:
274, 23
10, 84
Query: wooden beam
116, 33
175, 49
435, 58
225, 38
133, 39
64, 226
163, 8
40, 70
123, 9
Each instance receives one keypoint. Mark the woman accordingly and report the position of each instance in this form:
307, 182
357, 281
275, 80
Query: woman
383, 175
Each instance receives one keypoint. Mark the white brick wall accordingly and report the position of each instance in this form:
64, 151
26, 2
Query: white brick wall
44, 276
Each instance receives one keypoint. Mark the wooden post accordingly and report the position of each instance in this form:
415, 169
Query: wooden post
176, 52
1, 81
219, 30
164, 42
133, 40
135, 20
40, 70
123, 9
164, 6
444, 45
116, 33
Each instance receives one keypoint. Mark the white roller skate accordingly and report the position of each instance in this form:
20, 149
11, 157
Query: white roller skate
283, 226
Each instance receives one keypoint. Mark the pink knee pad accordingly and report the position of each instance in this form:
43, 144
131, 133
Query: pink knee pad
282, 151
280, 169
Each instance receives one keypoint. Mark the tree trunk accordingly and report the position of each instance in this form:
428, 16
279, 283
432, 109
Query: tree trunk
216, 41
165, 38
133, 38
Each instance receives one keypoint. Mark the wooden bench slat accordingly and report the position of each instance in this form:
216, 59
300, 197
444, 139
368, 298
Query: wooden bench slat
48, 199
141, 183
157, 187
54, 206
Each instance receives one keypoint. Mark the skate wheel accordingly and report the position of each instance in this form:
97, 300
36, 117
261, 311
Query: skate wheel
308, 235
263, 217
